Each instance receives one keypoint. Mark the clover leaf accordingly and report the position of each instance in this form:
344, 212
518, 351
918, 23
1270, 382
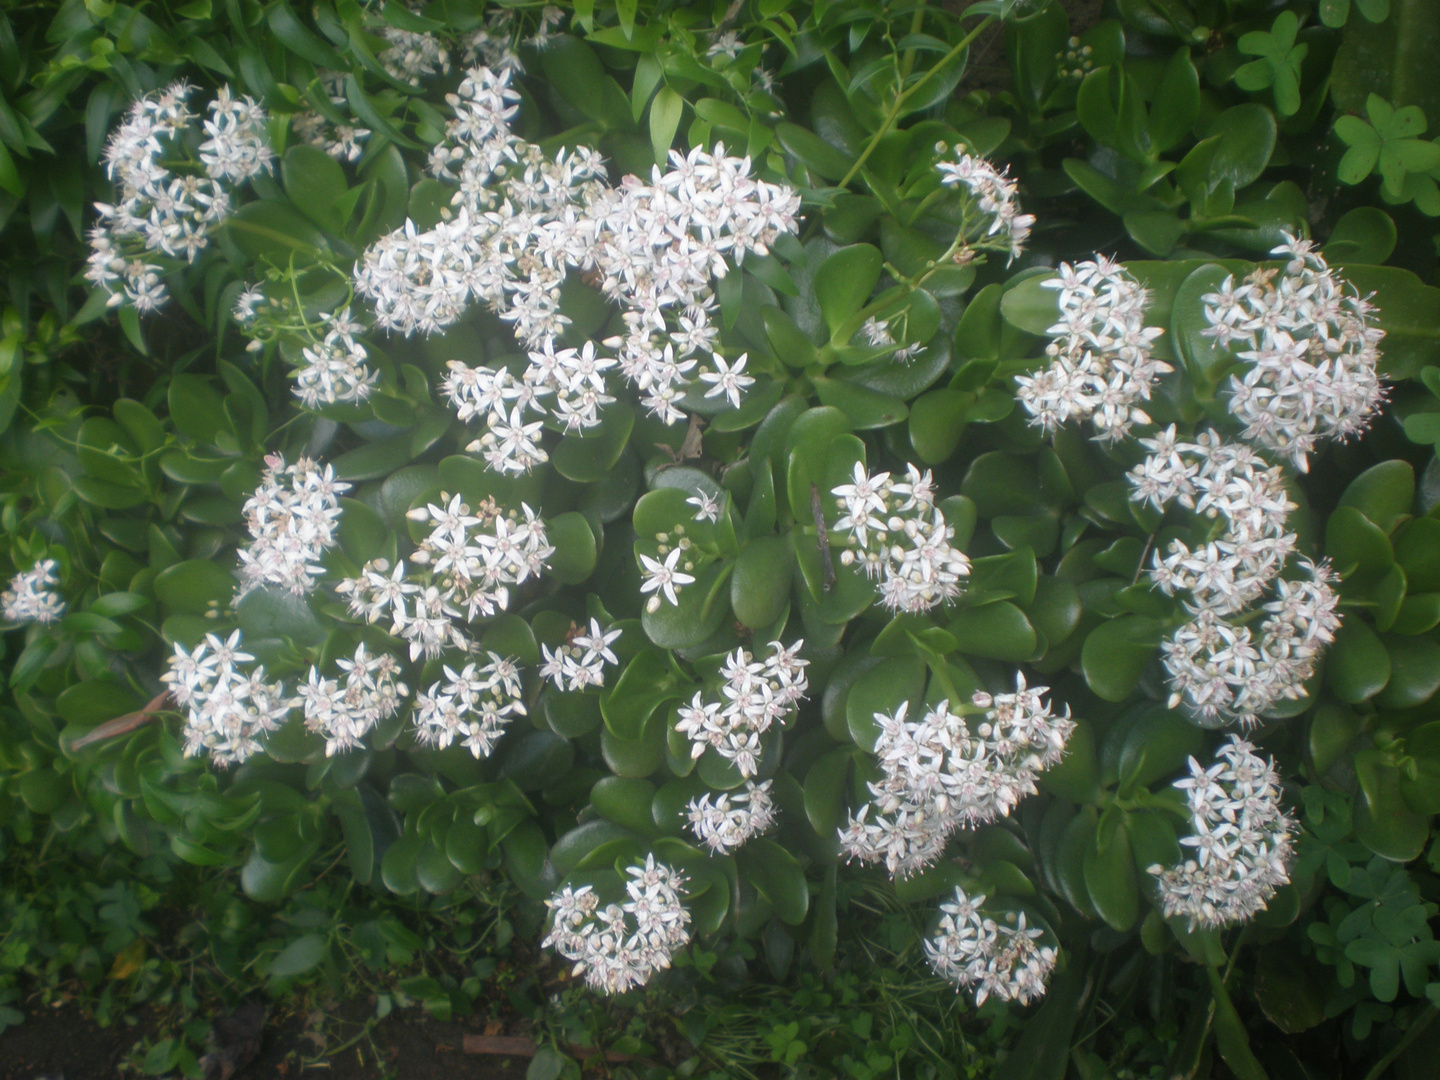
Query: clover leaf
1391, 141
1279, 63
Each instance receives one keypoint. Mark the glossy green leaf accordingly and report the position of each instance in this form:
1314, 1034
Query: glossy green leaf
778, 877
1383, 493
1358, 665
1116, 654
844, 282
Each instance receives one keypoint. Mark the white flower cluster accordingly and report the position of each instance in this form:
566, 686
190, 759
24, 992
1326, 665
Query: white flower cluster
1312, 350
474, 706
344, 714
412, 55
471, 559
228, 706
997, 958
996, 195
1225, 480
519, 221
878, 335
158, 211
580, 662
1219, 667
613, 957
755, 695
733, 817
661, 246
939, 776
291, 517
1100, 362
901, 537
340, 141
31, 595
335, 370
1242, 841
511, 443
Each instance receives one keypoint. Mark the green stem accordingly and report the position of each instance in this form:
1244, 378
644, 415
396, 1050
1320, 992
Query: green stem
1411, 1034
901, 99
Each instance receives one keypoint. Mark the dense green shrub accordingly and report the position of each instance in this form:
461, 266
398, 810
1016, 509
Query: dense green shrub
866, 292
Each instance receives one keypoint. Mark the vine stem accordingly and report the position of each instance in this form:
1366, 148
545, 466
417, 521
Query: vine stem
894, 114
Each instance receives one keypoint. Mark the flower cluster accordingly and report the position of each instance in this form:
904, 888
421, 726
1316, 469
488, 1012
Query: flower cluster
291, 517
344, 714
939, 776
878, 334
1312, 350
733, 817
340, 141
612, 956
335, 370
580, 662
31, 595
1100, 362
168, 202
1220, 668
659, 249
998, 958
511, 443
1242, 841
228, 705
410, 56
519, 220
475, 705
995, 194
755, 695
1217, 480
898, 533
472, 559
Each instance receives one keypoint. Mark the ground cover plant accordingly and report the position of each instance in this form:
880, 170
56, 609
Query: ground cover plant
726, 474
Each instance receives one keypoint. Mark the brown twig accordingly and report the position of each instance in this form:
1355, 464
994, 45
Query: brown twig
123, 725
521, 1046
822, 535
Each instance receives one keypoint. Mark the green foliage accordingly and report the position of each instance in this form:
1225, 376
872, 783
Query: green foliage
127, 458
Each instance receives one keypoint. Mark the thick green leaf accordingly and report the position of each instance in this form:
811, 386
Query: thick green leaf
778, 877
302, 955
196, 586
1358, 664
1383, 493
844, 282
1116, 654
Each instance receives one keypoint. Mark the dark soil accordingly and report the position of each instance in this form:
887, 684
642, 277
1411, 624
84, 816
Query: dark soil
63, 1044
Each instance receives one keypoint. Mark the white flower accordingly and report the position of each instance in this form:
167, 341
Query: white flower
32, 597
1312, 347
1243, 841
663, 577
228, 706
940, 775
995, 195
1101, 366
706, 508
620, 946
900, 537
754, 695
474, 706
999, 957
728, 380
580, 662
345, 712
291, 518
733, 817
157, 215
